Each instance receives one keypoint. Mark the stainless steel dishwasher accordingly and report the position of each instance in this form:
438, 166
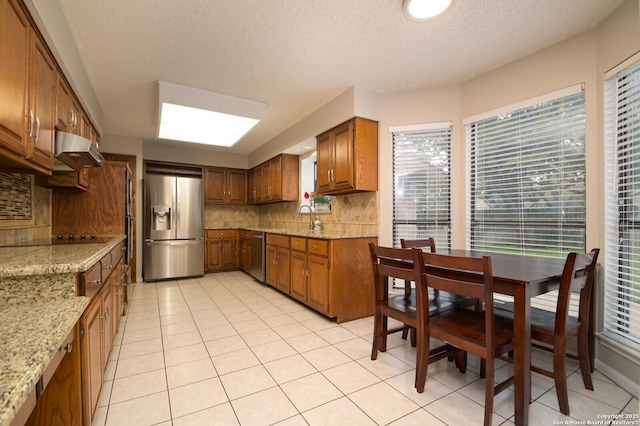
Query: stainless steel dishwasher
258, 244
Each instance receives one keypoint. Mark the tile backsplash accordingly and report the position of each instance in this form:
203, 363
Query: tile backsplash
350, 214
35, 229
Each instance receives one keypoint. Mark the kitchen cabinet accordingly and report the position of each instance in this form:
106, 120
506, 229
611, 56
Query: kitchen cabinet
245, 251
61, 400
310, 272
347, 158
276, 180
27, 88
225, 186
332, 276
42, 104
278, 262
98, 325
255, 185
221, 249
65, 179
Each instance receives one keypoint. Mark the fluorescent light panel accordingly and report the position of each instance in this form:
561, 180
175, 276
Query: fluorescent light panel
197, 116
425, 9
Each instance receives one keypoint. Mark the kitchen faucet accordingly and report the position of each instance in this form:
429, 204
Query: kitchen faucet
310, 215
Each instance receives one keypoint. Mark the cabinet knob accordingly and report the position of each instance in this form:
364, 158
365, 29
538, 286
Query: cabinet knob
66, 348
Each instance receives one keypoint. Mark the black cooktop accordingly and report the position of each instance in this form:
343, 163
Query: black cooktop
63, 239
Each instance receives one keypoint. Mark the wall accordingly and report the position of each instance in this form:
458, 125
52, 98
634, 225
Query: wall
581, 59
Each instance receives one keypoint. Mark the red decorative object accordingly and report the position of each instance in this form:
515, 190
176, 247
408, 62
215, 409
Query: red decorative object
306, 195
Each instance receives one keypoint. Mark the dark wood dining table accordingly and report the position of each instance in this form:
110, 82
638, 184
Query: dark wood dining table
522, 277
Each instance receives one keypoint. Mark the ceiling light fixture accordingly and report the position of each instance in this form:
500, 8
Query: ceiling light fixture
421, 10
194, 115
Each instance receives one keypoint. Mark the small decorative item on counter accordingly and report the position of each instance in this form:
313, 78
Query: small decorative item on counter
320, 203
317, 225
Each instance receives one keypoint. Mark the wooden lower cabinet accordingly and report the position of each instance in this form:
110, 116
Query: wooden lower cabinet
278, 262
92, 324
332, 276
99, 324
221, 249
61, 401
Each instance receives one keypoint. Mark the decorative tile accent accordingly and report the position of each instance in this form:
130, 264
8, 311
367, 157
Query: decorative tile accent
38, 227
15, 196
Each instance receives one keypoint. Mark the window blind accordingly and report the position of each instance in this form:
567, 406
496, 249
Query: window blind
622, 206
526, 179
422, 184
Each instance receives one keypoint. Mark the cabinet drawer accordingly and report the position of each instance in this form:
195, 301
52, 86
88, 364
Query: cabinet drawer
245, 235
318, 247
298, 243
221, 233
278, 240
90, 281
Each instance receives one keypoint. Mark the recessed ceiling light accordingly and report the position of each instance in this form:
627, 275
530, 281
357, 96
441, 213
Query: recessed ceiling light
197, 116
421, 10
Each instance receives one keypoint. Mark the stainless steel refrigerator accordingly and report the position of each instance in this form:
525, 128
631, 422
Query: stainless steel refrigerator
173, 231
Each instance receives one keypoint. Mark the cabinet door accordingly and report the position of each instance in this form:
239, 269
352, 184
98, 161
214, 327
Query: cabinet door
236, 186
342, 176
14, 76
255, 185
275, 167
92, 371
245, 255
299, 275
318, 288
229, 251
107, 335
213, 254
267, 186
76, 112
324, 162
214, 187
272, 265
63, 103
283, 282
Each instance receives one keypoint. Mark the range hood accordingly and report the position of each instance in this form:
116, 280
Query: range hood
76, 151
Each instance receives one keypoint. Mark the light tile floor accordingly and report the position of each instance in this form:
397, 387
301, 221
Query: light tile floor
226, 350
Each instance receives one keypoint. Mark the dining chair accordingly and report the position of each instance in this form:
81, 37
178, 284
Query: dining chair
551, 331
479, 333
411, 309
430, 244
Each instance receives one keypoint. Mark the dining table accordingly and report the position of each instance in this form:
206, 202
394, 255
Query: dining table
523, 277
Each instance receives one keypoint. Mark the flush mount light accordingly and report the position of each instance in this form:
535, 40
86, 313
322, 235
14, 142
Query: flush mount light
421, 10
194, 115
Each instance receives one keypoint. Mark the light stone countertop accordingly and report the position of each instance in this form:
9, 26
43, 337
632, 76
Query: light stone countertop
40, 307
53, 259
30, 335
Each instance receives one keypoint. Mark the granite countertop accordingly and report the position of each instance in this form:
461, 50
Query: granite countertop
39, 309
326, 235
53, 259
27, 345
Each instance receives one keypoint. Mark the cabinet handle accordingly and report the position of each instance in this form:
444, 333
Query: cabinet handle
30, 116
329, 175
66, 348
37, 128
98, 281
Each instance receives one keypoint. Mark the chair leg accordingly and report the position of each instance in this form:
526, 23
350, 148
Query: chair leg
483, 368
584, 358
461, 361
489, 391
560, 375
405, 332
422, 357
377, 336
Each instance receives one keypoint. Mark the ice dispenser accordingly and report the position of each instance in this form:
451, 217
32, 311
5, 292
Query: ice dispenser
160, 218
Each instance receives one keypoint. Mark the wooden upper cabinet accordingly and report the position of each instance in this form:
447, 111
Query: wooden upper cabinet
64, 117
225, 186
42, 103
15, 36
347, 157
276, 180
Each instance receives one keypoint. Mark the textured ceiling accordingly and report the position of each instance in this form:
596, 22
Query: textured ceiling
296, 55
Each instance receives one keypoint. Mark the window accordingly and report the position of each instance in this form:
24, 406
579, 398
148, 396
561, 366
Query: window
622, 205
526, 177
422, 183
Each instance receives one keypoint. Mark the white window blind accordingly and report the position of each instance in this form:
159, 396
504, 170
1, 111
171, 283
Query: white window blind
526, 178
422, 183
622, 206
